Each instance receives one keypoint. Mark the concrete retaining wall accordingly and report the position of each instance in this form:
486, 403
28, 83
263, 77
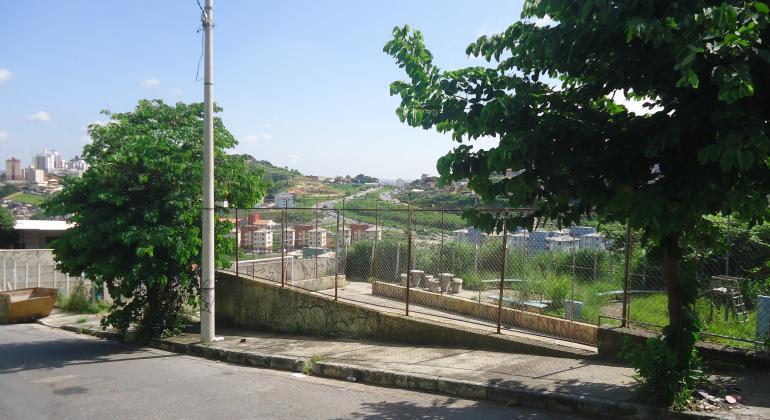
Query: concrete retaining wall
264, 305
612, 339
296, 268
557, 327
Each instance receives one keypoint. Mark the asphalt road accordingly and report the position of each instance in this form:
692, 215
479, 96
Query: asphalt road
52, 374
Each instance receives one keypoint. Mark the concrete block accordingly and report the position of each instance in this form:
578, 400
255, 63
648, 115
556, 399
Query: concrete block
234, 356
434, 286
337, 371
417, 381
282, 362
465, 389
377, 377
456, 286
256, 360
445, 279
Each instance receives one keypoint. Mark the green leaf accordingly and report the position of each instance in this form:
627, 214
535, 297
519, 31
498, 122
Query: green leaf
761, 7
745, 159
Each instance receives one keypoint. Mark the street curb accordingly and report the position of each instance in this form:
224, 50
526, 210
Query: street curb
499, 392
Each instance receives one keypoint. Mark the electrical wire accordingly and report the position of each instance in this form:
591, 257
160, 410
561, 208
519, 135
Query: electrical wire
204, 19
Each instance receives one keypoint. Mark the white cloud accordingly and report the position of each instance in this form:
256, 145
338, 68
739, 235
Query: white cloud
4, 135
5, 75
256, 138
150, 83
251, 138
543, 21
40, 116
633, 105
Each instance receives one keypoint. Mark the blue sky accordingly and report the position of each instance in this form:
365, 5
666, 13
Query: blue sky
303, 84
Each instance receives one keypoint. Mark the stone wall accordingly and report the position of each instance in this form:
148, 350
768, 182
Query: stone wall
263, 305
557, 327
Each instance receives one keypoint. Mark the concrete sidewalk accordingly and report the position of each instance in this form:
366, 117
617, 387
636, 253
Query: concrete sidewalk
564, 384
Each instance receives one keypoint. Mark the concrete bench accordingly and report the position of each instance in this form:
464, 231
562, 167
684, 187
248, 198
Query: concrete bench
530, 305
495, 283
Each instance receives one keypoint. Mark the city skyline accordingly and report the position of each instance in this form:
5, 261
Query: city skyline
302, 85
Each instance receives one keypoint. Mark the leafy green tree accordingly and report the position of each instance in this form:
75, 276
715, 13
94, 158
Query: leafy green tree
6, 228
551, 99
138, 211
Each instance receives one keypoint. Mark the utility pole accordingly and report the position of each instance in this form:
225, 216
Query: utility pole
207, 269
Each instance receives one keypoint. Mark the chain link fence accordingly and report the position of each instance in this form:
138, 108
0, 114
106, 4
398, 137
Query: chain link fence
733, 281
548, 281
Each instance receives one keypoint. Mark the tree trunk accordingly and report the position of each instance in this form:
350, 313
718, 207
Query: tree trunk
681, 300
673, 286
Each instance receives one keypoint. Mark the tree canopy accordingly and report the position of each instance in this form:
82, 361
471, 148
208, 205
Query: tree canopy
6, 228
137, 211
552, 96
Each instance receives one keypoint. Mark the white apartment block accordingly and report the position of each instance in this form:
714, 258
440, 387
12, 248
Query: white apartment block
374, 233
260, 239
519, 241
316, 238
564, 243
35, 176
594, 241
346, 233
288, 238
284, 200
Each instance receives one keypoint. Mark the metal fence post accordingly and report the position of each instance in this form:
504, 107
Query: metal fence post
53, 269
237, 243
14, 273
374, 245
26, 274
572, 291
283, 249
727, 247
337, 255
317, 244
408, 260
3, 286
344, 241
626, 277
441, 269
67, 284
38, 275
502, 277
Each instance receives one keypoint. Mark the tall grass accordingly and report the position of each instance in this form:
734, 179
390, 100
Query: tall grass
80, 301
652, 309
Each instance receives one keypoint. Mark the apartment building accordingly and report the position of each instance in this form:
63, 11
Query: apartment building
563, 243
258, 239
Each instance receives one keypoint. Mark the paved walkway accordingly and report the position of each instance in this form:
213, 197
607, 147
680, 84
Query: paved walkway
360, 293
536, 374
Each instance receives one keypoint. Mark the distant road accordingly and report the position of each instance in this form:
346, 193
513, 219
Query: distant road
51, 374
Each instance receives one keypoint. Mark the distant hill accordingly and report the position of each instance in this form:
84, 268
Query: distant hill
305, 187
280, 179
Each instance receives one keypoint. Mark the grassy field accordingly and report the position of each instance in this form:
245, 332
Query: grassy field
652, 309
26, 198
395, 215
